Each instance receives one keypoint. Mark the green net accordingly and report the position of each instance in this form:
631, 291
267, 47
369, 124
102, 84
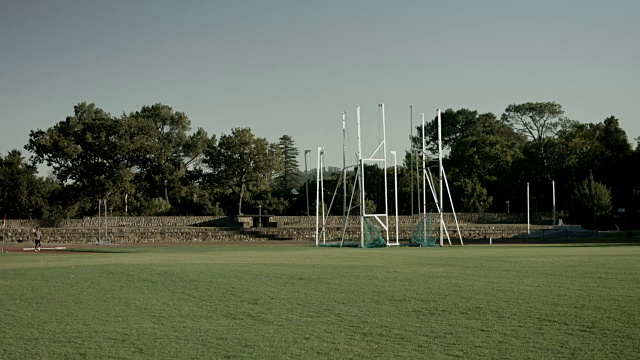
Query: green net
422, 234
372, 238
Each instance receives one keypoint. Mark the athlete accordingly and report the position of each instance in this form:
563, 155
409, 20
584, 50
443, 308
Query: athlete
37, 237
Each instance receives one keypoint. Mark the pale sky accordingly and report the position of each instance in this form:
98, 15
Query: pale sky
293, 67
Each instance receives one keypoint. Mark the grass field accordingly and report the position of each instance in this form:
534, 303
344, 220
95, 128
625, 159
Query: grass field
277, 302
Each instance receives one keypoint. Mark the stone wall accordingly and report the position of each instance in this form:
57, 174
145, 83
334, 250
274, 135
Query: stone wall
268, 220
127, 221
406, 220
242, 228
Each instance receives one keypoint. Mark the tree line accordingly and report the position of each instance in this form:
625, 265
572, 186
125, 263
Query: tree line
594, 167
150, 162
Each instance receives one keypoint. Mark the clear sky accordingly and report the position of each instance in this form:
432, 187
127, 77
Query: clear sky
292, 67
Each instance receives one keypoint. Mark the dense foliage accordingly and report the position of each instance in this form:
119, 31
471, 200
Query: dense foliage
150, 162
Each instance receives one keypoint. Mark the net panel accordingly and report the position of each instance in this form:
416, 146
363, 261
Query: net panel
372, 238
422, 234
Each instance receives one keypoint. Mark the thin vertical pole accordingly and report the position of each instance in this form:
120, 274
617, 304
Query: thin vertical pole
441, 175
344, 165
386, 186
528, 218
411, 153
361, 187
553, 186
324, 217
417, 179
99, 219
106, 237
453, 210
424, 182
4, 232
318, 196
424, 186
306, 186
395, 192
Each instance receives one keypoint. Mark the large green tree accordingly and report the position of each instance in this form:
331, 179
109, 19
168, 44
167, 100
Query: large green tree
161, 150
85, 154
535, 120
243, 164
454, 125
290, 177
582, 149
477, 146
22, 193
470, 196
486, 149
591, 199
539, 122
143, 156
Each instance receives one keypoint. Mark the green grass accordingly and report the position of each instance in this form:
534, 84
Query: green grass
277, 302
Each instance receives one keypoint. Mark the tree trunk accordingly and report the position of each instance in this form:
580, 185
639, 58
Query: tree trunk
240, 201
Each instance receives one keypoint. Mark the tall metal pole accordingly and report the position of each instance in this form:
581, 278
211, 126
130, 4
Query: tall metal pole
318, 195
344, 165
106, 237
418, 180
441, 176
306, 186
4, 232
528, 218
361, 180
324, 217
553, 186
99, 222
386, 185
395, 192
411, 152
424, 182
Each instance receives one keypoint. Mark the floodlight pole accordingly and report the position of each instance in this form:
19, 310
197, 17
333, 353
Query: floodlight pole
306, 186
441, 176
